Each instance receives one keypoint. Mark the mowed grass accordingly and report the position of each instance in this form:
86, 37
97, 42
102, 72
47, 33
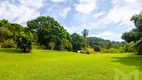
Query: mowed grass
60, 65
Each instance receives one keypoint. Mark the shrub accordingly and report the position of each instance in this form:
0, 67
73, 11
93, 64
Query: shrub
43, 47
8, 44
96, 48
87, 51
129, 47
113, 50
122, 49
105, 50
24, 41
36, 46
90, 50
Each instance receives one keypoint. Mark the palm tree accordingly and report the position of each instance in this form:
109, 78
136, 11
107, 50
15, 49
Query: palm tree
85, 33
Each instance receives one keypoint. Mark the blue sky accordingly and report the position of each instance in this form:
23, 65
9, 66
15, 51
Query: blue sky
106, 19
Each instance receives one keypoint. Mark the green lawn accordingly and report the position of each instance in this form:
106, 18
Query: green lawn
55, 65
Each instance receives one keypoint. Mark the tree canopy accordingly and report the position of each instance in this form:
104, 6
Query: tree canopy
136, 33
49, 30
12, 34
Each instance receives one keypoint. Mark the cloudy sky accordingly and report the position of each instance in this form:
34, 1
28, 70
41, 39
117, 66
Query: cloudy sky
107, 19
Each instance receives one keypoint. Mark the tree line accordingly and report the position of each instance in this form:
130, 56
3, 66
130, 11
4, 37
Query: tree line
43, 31
46, 33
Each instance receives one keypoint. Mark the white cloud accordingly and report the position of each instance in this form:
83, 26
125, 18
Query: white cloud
20, 14
122, 12
116, 21
99, 14
131, 1
110, 35
26, 14
58, 0
86, 6
73, 29
32, 3
65, 11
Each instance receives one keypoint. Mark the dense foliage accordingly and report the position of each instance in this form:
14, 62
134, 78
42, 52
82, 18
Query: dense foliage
48, 30
136, 34
43, 31
104, 43
46, 33
24, 41
12, 34
78, 42
107, 46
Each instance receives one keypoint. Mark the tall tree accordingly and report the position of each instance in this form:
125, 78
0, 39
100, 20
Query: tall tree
136, 33
85, 33
78, 42
49, 30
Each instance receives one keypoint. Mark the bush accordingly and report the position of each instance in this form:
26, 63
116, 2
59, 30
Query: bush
24, 41
43, 47
122, 49
8, 44
90, 50
96, 48
105, 50
36, 46
113, 50
87, 51
128, 47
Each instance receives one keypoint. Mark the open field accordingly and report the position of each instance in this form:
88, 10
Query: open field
58, 65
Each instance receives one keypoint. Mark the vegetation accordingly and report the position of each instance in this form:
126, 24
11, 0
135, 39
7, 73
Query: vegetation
96, 48
136, 34
107, 46
48, 30
78, 42
15, 34
24, 41
46, 33
52, 45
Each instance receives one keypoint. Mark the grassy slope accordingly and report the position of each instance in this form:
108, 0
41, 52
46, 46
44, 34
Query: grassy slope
53, 65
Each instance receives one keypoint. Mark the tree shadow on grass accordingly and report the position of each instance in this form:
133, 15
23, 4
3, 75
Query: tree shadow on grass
131, 60
10, 50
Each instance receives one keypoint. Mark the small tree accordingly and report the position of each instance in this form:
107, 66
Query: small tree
52, 45
24, 41
78, 42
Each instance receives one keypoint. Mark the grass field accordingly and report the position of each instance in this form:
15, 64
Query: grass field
55, 65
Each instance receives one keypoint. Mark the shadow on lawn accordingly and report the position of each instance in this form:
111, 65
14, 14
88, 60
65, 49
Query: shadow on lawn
10, 50
131, 60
